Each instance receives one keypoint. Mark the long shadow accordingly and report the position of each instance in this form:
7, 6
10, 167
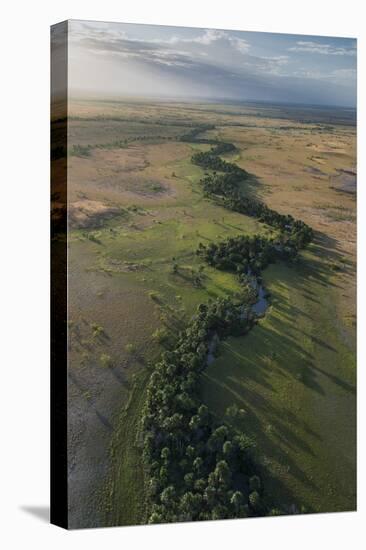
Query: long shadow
325, 246
341, 383
322, 343
265, 446
251, 186
232, 226
274, 415
119, 373
307, 377
104, 420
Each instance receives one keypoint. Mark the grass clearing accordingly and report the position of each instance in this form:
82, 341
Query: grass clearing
123, 501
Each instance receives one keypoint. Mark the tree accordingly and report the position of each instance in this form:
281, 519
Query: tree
255, 501
232, 411
153, 486
165, 454
203, 413
189, 506
189, 480
227, 450
200, 485
194, 423
163, 475
168, 496
275, 512
156, 518
198, 464
254, 483
217, 438
236, 501
219, 512
223, 473
190, 451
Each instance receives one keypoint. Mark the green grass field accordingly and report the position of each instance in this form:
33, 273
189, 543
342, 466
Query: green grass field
123, 497
294, 376
136, 271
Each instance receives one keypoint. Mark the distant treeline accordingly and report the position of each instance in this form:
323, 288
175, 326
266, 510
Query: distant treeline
132, 120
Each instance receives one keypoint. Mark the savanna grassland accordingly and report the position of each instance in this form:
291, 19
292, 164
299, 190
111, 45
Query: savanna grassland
137, 215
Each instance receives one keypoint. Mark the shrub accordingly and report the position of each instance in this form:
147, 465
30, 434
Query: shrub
130, 348
106, 360
154, 296
81, 150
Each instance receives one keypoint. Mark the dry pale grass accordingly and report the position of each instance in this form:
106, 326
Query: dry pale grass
141, 174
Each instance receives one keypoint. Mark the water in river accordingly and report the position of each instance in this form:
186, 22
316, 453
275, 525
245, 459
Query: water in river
259, 308
261, 304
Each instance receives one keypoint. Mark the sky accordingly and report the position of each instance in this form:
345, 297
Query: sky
114, 60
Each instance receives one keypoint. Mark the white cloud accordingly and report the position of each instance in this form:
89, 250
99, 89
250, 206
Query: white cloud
277, 60
209, 36
337, 75
267, 64
240, 44
323, 49
344, 73
212, 35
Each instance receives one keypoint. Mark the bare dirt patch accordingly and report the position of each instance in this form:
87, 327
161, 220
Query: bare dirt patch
88, 213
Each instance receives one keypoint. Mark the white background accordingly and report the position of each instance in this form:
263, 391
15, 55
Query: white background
24, 305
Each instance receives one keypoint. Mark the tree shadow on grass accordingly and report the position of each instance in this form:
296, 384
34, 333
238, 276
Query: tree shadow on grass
104, 420
265, 431
244, 376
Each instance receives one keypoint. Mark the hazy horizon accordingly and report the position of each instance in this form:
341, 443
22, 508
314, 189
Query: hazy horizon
95, 96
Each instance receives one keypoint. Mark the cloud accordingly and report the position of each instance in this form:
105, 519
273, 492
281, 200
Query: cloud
152, 50
208, 37
147, 51
212, 35
212, 63
273, 65
113, 40
337, 75
344, 73
166, 52
320, 48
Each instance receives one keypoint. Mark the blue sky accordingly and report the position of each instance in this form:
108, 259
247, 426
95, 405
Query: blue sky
117, 59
